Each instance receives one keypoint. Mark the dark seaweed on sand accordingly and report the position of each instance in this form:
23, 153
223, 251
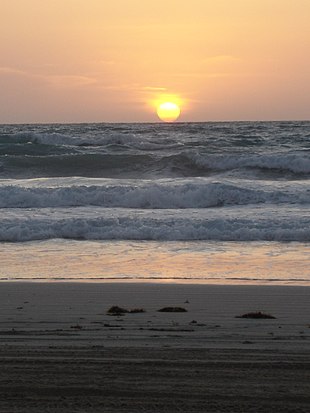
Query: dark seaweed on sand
115, 310
256, 315
173, 310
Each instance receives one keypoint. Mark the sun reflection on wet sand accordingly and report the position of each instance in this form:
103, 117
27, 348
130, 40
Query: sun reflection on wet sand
195, 262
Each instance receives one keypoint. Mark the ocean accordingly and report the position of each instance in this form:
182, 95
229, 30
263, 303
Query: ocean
215, 202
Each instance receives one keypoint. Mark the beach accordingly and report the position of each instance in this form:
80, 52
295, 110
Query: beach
154, 206
62, 351
211, 218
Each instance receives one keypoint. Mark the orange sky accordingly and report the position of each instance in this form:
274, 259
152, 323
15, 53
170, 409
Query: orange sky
107, 61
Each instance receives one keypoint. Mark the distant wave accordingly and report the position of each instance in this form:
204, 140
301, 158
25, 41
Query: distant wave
106, 139
137, 165
273, 150
293, 162
166, 194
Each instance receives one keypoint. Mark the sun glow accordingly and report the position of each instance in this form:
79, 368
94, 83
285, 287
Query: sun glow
168, 111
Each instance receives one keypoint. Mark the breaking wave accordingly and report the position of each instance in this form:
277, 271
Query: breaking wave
278, 224
160, 194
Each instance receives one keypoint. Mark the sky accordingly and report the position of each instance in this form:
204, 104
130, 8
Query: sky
113, 61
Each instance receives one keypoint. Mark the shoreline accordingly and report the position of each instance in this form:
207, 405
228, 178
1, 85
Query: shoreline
156, 262
155, 281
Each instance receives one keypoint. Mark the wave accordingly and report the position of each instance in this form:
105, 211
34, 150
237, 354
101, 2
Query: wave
268, 224
89, 165
50, 139
298, 163
141, 151
161, 194
108, 139
142, 165
148, 136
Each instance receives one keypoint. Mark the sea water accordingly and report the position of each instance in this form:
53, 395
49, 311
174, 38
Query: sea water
213, 202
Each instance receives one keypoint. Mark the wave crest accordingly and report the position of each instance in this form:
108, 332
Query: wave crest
163, 194
277, 224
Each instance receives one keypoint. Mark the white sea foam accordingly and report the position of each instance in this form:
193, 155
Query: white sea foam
285, 223
182, 193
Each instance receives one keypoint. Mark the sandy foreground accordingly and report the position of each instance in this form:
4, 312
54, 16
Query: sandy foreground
61, 352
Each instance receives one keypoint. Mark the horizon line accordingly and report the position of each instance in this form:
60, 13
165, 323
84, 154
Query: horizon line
150, 122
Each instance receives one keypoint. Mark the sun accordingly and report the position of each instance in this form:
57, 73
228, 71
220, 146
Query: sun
168, 111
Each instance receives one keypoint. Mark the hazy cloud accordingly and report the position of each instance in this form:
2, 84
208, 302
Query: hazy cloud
154, 88
69, 80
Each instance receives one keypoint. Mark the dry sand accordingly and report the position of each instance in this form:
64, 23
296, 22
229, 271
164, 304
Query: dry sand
61, 352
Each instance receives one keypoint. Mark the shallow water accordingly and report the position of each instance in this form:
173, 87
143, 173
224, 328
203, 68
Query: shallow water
149, 261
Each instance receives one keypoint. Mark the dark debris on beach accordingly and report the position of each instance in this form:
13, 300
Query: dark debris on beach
118, 311
172, 310
256, 315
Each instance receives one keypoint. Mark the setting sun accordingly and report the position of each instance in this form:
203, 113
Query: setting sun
168, 111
